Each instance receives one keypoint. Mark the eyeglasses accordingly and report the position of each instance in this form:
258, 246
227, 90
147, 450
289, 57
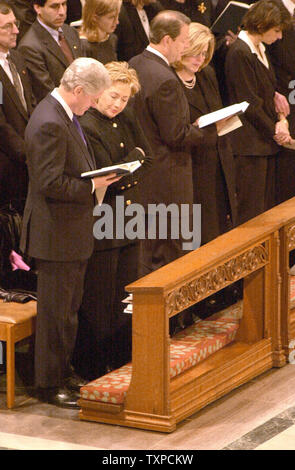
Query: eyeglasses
9, 26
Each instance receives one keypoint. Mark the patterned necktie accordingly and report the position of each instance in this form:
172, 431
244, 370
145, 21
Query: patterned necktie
79, 128
65, 47
16, 81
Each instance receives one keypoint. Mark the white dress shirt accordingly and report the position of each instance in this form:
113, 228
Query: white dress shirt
262, 56
154, 51
144, 20
4, 64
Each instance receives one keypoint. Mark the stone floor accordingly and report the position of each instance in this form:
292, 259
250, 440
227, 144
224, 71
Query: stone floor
257, 415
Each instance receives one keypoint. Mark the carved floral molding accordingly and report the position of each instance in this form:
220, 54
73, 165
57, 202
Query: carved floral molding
291, 237
216, 279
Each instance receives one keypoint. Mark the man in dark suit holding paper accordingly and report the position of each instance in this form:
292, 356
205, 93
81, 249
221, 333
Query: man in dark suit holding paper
58, 220
163, 112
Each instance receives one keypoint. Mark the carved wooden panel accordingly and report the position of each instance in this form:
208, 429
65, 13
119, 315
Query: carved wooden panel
216, 279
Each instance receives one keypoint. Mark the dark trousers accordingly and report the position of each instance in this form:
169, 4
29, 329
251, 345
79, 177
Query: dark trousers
285, 175
157, 252
13, 183
256, 185
59, 293
104, 335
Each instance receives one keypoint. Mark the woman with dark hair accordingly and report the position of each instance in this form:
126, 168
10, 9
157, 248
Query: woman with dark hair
99, 21
104, 337
250, 77
213, 165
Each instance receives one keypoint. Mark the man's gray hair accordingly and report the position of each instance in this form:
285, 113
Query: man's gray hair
88, 73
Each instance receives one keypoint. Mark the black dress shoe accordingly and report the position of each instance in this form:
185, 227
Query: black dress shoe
62, 397
75, 382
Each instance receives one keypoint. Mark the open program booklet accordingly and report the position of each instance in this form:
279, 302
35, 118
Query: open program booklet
119, 170
128, 300
230, 112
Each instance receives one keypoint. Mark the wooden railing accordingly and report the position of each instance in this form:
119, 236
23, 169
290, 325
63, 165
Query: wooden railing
256, 252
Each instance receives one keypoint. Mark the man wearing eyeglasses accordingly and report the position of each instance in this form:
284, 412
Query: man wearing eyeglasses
15, 110
49, 46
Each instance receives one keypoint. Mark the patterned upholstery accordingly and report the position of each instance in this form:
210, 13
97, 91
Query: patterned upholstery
187, 348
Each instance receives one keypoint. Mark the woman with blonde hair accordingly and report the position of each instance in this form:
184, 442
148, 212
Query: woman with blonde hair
213, 167
212, 161
99, 21
104, 338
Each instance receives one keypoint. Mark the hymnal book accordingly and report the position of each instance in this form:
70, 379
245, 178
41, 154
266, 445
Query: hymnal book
233, 110
230, 18
120, 170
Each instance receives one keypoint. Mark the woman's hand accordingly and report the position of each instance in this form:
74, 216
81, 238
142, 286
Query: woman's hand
230, 37
281, 104
104, 181
282, 134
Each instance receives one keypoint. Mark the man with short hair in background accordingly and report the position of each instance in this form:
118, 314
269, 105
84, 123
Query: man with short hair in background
49, 46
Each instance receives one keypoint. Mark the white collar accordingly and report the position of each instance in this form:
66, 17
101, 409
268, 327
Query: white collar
154, 51
57, 96
3, 55
290, 6
51, 31
244, 37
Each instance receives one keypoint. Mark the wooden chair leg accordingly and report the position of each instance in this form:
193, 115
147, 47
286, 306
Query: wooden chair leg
10, 366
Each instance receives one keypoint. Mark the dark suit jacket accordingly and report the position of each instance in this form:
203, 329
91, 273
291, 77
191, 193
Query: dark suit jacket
132, 38
58, 220
13, 120
113, 145
24, 11
74, 10
213, 167
13, 116
249, 80
45, 60
163, 113
283, 59
199, 11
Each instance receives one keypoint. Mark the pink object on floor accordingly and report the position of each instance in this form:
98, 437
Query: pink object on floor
17, 262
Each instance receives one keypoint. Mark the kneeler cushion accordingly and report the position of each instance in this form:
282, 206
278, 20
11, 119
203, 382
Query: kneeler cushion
187, 348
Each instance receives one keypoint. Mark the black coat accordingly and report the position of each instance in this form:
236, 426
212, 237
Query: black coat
213, 163
199, 11
113, 142
132, 39
45, 60
249, 80
283, 59
104, 51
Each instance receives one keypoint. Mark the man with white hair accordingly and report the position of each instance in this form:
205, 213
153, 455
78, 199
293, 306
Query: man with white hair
57, 223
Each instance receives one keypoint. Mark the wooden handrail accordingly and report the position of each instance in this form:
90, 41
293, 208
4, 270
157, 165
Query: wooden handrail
252, 252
